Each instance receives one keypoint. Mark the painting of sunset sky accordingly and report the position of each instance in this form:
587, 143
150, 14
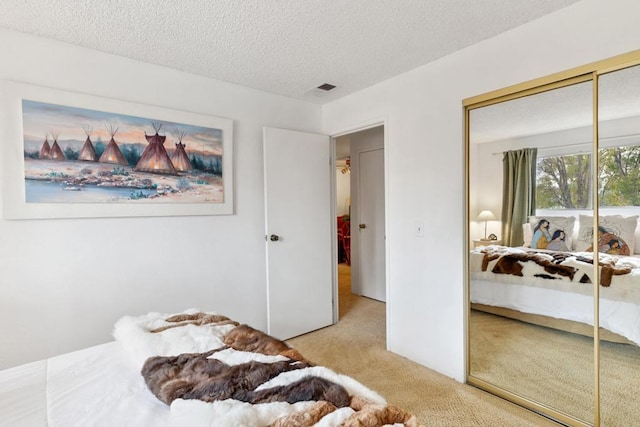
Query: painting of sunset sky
78, 155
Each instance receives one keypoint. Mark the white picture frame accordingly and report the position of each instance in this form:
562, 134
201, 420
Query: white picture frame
14, 143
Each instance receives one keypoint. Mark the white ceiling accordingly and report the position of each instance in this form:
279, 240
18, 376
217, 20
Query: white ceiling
560, 109
286, 47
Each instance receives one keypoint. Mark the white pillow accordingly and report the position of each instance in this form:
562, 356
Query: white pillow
527, 233
564, 223
621, 228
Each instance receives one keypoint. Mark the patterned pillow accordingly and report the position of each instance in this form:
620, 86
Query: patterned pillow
616, 234
557, 224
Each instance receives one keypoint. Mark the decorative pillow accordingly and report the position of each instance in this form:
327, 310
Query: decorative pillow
559, 231
527, 234
616, 235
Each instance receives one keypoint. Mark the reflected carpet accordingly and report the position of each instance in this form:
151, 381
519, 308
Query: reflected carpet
556, 368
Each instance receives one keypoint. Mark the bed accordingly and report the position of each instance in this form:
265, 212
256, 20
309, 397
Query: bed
554, 289
190, 368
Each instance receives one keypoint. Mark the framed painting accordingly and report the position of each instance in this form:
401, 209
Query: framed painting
71, 155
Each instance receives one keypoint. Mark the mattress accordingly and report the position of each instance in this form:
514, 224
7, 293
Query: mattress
90, 387
23, 400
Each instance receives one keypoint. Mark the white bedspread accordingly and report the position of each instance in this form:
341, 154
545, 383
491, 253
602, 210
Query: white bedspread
90, 387
102, 386
96, 387
23, 401
562, 298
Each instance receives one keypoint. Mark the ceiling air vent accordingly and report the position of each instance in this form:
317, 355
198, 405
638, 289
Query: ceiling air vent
326, 87
320, 91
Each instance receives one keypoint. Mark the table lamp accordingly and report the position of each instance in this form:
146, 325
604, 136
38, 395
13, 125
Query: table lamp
486, 216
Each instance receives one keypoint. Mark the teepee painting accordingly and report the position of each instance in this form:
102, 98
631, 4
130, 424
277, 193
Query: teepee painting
88, 151
45, 150
155, 158
179, 157
105, 157
56, 152
112, 153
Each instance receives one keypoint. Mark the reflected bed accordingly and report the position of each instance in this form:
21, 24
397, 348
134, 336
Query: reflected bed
554, 289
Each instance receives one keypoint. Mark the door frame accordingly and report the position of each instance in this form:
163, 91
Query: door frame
357, 128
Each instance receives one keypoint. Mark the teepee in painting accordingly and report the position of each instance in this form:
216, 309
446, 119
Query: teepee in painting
112, 153
56, 152
155, 159
179, 157
45, 150
88, 152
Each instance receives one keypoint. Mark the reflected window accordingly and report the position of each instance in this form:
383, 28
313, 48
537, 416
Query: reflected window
619, 176
564, 182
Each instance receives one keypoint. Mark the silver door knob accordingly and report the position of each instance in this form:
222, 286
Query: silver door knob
362, 225
274, 237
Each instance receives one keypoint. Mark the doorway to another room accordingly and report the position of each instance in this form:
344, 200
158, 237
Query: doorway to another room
360, 223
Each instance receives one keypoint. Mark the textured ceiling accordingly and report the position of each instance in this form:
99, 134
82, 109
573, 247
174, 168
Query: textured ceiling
560, 109
286, 47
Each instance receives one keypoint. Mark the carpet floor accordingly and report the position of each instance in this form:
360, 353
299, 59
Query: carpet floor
558, 368
355, 346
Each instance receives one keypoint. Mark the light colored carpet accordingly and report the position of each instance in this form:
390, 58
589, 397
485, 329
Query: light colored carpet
356, 346
557, 368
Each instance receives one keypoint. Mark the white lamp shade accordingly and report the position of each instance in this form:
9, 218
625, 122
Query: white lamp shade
486, 216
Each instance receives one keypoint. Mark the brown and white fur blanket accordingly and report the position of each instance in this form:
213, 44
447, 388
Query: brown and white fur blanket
213, 371
552, 265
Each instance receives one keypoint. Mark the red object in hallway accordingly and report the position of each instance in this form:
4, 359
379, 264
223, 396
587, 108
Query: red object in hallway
344, 239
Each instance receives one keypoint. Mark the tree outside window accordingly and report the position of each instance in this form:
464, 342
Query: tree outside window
564, 182
619, 177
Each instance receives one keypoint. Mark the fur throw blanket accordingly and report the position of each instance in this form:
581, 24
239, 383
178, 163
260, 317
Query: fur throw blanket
213, 371
576, 267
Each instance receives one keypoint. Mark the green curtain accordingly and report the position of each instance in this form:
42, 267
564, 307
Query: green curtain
518, 193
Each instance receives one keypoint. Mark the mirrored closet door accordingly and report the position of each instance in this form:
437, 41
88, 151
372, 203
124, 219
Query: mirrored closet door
518, 296
549, 162
618, 201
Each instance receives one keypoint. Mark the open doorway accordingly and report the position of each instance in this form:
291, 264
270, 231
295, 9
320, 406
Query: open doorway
343, 212
360, 210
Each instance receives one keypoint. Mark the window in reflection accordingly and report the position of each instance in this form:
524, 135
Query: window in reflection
563, 182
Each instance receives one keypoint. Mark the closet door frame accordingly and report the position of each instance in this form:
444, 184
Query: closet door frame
585, 73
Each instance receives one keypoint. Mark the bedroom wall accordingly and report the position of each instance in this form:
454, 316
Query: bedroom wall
63, 283
423, 116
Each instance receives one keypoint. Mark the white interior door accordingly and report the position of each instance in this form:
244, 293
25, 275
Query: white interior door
371, 224
297, 175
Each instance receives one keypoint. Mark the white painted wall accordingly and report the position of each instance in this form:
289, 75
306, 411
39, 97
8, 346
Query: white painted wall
343, 192
422, 110
343, 180
63, 283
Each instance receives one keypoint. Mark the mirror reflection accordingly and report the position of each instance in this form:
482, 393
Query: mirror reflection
531, 287
618, 236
